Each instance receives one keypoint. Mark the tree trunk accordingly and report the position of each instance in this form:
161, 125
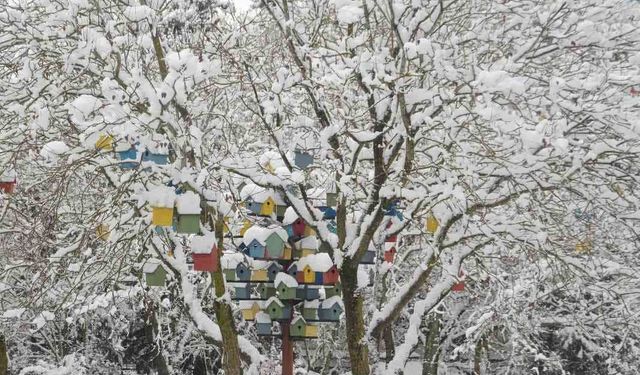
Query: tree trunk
4, 358
432, 346
231, 363
158, 361
353, 303
477, 358
389, 345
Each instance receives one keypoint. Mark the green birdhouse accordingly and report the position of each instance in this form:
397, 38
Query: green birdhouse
276, 309
310, 309
332, 291
155, 274
286, 286
298, 326
266, 291
188, 207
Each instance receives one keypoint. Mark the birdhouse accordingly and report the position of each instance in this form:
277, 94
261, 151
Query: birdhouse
242, 272
275, 243
276, 309
306, 276
390, 254
128, 156
104, 142
155, 274
162, 216
263, 324
259, 275
103, 232
332, 199
268, 207
331, 309
293, 270
302, 159
243, 248
329, 276
335, 290
272, 270
157, 152
246, 225
286, 254
432, 224
205, 254
281, 208
583, 247
286, 286
328, 213
298, 227
297, 328
229, 264
309, 232
310, 310
392, 208
266, 291
311, 331
368, 257
253, 206
332, 226
242, 291
249, 309
188, 207
256, 249
8, 181
311, 292
306, 246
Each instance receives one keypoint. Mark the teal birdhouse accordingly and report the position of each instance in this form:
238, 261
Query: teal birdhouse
155, 274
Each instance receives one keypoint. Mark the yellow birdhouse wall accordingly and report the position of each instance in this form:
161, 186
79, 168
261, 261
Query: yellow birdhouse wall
432, 224
248, 314
268, 207
104, 142
309, 275
259, 275
287, 252
311, 331
308, 231
162, 216
102, 232
247, 224
583, 247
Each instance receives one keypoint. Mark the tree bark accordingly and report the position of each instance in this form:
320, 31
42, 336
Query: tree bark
231, 362
4, 357
353, 302
432, 346
477, 358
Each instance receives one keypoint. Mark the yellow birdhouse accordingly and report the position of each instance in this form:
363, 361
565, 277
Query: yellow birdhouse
432, 224
268, 207
309, 275
583, 247
286, 254
310, 331
162, 216
102, 232
259, 275
308, 231
247, 224
249, 312
104, 142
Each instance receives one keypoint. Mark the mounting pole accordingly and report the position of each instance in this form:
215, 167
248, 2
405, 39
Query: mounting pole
287, 348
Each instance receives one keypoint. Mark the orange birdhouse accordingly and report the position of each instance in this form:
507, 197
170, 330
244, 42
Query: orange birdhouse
432, 224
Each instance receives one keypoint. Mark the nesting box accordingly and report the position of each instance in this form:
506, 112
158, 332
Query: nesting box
266, 291
188, 207
335, 290
104, 142
275, 245
242, 272
330, 309
368, 257
268, 207
102, 232
272, 270
8, 180
242, 291
298, 227
311, 331
276, 309
249, 309
432, 224
287, 253
310, 310
205, 254
293, 269
246, 225
332, 199
306, 276
328, 213
286, 286
259, 275
162, 216
390, 254
311, 292
583, 247
302, 159
263, 323
459, 286
297, 328
256, 249
155, 274
329, 276
128, 157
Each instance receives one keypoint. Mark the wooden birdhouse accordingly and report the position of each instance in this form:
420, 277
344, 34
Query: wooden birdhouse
162, 216
188, 207
8, 182
286, 286
128, 156
390, 254
162, 200
263, 324
253, 206
306, 246
459, 286
157, 152
298, 227
249, 309
205, 254
272, 270
276, 309
332, 199
311, 292
331, 309
310, 310
432, 224
368, 257
259, 275
266, 291
302, 159
275, 243
246, 225
155, 274
583, 247
242, 291
104, 142
298, 326
287, 252
328, 213
311, 331
268, 207
103, 232
242, 272
335, 290
306, 275
256, 249
293, 270
330, 276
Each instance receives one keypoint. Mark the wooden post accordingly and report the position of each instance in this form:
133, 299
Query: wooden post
287, 348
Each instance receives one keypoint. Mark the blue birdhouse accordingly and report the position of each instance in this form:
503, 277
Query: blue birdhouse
129, 158
242, 272
328, 213
159, 159
302, 159
256, 249
253, 206
368, 257
242, 291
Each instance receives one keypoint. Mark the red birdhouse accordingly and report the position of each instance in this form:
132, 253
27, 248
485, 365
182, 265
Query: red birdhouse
389, 255
459, 286
393, 238
331, 276
298, 227
8, 187
205, 254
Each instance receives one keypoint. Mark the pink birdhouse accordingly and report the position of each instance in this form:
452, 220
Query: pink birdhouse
331, 276
8, 187
298, 227
459, 286
205, 254
390, 255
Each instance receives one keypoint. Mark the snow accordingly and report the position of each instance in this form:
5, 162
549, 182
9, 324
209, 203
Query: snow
290, 216
262, 317
329, 302
317, 262
285, 278
499, 81
260, 194
246, 304
138, 12
8, 175
274, 300
53, 150
312, 304
262, 233
203, 244
151, 265
13, 313
309, 242
231, 260
188, 203
161, 196
348, 11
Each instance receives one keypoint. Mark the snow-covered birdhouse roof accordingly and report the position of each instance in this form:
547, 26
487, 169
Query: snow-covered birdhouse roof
298, 319
203, 244
274, 300
261, 234
248, 304
286, 279
188, 203
157, 145
231, 260
317, 262
309, 242
8, 175
262, 317
329, 302
151, 266
161, 196
311, 304
290, 216
259, 194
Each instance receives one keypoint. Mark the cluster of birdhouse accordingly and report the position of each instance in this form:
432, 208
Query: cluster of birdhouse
181, 212
132, 152
8, 181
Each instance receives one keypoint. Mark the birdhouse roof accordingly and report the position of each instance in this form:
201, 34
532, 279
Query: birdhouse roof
161, 196
231, 260
329, 302
261, 234
309, 242
285, 278
157, 145
390, 246
273, 300
320, 262
151, 266
262, 317
246, 305
312, 304
8, 175
203, 244
259, 194
290, 216
297, 319
188, 203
